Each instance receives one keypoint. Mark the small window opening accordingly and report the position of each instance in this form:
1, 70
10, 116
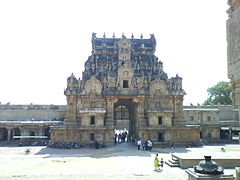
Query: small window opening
125, 83
160, 120
92, 120
209, 118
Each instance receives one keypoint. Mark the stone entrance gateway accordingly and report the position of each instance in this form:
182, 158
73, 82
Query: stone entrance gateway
125, 116
124, 86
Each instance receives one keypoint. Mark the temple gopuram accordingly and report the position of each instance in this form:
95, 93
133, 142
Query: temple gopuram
124, 87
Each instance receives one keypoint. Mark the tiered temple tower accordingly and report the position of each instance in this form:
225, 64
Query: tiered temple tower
124, 86
233, 40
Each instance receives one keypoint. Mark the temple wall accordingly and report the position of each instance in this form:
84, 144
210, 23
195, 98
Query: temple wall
183, 135
233, 50
34, 112
81, 135
166, 119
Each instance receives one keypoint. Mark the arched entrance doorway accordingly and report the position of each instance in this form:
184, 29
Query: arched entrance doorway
122, 118
125, 116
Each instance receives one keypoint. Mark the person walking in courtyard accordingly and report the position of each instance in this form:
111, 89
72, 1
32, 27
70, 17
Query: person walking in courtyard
161, 163
139, 142
115, 138
156, 161
149, 144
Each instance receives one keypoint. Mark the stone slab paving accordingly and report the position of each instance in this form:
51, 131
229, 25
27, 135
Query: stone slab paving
123, 161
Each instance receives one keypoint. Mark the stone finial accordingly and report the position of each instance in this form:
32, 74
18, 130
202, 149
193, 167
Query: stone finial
123, 36
94, 35
229, 2
132, 36
152, 36
104, 35
141, 36
113, 35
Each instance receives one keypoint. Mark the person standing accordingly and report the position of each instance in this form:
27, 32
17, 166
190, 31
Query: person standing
156, 161
161, 163
115, 138
139, 142
150, 145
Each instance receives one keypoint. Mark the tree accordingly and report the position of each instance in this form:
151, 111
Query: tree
219, 94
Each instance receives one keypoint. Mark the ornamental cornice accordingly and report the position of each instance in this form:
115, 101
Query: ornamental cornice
233, 5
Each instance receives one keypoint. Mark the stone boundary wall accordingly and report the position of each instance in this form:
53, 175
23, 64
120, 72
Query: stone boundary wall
32, 112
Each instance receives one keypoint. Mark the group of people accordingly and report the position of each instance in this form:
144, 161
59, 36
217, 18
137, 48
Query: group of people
120, 137
147, 145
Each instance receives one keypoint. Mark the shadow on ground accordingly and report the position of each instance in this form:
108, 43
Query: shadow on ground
124, 149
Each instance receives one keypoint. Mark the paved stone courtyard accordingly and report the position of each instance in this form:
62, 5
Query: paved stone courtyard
123, 161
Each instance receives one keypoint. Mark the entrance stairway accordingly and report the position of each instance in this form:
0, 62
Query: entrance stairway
173, 162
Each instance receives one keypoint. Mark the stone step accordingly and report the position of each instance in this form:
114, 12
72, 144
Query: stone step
171, 164
174, 158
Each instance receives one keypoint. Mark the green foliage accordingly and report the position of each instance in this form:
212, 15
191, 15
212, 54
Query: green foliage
219, 94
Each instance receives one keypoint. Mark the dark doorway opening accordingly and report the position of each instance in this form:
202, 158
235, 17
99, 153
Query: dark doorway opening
47, 132
224, 134
160, 137
200, 134
16, 132
3, 134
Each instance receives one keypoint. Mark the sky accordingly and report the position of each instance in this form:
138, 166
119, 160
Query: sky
43, 41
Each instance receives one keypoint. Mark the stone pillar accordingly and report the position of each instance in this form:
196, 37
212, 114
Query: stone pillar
9, 134
140, 113
110, 112
1, 134
237, 173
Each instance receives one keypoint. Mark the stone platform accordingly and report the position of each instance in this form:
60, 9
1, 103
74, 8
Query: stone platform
224, 160
197, 176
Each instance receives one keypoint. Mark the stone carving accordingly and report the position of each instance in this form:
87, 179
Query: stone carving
93, 86
158, 87
125, 71
121, 71
124, 49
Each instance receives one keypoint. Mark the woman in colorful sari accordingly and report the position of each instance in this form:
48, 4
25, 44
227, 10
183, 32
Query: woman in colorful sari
156, 162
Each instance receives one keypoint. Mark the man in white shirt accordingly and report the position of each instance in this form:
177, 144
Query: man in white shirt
139, 142
149, 143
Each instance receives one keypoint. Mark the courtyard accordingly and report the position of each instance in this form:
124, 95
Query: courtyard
122, 161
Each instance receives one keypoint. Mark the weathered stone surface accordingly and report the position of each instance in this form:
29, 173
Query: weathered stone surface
196, 176
237, 173
218, 123
233, 49
124, 86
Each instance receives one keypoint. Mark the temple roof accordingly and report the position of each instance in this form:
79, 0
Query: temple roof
137, 44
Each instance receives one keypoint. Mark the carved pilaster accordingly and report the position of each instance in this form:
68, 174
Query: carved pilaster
140, 113
9, 137
109, 120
